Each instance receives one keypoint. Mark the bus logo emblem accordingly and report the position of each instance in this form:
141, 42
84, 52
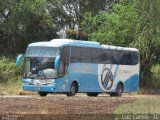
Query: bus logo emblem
106, 78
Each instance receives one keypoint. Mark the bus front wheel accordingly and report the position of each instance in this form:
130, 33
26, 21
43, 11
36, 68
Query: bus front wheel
73, 89
42, 94
92, 94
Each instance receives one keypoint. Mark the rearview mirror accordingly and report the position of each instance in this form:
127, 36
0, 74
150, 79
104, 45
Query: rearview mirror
57, 62
18, 61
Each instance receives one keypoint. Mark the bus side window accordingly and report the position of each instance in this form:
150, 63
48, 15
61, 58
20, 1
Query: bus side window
107, 56
115, 57
64, 61
61, 70
87, 56
134, 60
65, 54
76, 54
122, 57
127, 58
97, 55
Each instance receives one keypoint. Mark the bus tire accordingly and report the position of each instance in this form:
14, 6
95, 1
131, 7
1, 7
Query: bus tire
73, 89
92, 94
119, 90
42, 94
112, 94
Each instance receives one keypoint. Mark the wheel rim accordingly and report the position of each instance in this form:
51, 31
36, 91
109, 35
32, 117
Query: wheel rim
119, 90
73, 89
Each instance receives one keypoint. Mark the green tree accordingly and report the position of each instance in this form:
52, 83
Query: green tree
115, 26
68, 14
147, 37
23, 22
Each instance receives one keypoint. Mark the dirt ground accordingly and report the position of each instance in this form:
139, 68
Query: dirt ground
61, 104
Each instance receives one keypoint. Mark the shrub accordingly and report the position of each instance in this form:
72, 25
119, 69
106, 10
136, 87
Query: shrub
156, 75
9, 73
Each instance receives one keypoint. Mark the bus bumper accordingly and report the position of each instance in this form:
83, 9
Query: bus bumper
44, 88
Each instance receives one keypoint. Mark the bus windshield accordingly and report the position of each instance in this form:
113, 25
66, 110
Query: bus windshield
39, 68
42, 52
39, 63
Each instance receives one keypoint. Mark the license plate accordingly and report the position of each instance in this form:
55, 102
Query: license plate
37, 88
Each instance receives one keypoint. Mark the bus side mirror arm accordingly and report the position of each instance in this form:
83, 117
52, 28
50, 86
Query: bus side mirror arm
57, 62
18, 61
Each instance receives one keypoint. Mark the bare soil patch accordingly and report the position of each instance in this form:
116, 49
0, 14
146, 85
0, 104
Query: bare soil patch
61, 104
61, 107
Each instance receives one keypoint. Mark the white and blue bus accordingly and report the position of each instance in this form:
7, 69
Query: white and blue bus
76, 66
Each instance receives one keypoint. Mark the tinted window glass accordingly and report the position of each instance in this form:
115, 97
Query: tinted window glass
42, 52
134, 58
127, 58
122, 57
107, 56
115, 56
65, 54
76, 54
97, 55
87, 54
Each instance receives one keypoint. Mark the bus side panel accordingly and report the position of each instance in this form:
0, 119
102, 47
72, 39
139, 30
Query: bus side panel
127, 74
89, 77
84, 74
127, 85
134, 83
77, 78
107, 77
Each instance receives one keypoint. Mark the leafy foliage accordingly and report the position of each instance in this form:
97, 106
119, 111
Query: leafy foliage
8, 71
115, 26
23, 22
68, 14
147, 35
155, 79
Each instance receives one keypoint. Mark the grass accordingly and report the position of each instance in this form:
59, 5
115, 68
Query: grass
10, 88
149, 105
10, 77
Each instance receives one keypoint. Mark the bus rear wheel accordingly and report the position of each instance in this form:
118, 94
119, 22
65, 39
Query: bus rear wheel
92, 94
73, 89
118, 92
42, 94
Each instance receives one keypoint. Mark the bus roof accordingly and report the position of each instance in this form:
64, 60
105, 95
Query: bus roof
65, 42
